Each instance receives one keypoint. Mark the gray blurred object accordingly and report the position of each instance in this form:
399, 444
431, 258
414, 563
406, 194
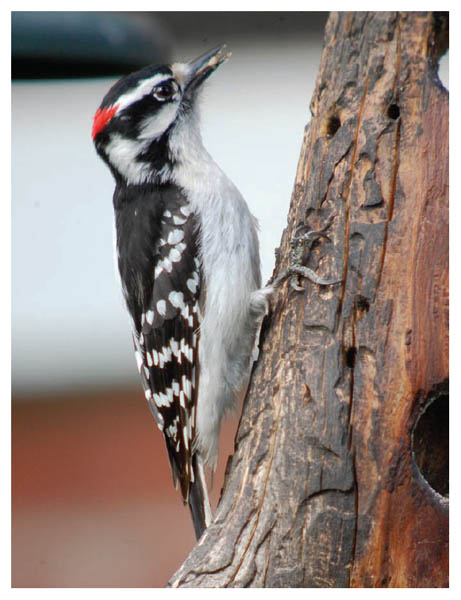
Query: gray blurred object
72, 44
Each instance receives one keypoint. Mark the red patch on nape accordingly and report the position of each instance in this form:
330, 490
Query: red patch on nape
101, 118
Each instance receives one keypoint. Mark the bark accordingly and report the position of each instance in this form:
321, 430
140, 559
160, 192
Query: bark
339, 476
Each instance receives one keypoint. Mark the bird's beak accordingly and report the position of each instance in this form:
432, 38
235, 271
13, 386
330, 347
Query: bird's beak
203, 66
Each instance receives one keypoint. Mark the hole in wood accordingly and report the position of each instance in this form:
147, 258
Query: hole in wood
393, 111
350, 355
333, 124
362, 303
430, 442
441, 33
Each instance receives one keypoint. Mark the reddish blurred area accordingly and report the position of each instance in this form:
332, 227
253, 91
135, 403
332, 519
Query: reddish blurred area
93, 504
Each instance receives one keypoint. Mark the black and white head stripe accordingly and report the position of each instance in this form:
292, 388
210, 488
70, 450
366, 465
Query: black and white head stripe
162, 283
134, 87
132, 124
133, 117
142, 105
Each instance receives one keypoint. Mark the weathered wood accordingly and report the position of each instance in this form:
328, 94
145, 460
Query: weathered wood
324, 489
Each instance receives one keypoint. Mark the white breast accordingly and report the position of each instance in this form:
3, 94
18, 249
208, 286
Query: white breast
229, 257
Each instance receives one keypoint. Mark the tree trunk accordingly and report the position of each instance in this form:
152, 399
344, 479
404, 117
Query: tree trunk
340, 474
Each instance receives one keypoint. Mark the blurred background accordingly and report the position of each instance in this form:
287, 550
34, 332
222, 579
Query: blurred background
93, 503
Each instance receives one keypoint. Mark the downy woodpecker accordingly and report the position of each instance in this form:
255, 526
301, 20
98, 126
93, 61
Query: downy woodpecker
188, 257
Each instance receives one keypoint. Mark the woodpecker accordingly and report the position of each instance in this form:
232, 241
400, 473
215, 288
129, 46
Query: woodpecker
188, 257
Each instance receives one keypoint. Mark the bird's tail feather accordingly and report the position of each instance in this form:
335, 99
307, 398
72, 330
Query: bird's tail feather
199, 502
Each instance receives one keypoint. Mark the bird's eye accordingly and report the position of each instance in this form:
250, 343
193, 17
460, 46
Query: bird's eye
164, 91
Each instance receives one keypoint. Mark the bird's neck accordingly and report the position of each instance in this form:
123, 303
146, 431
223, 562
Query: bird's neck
178, 156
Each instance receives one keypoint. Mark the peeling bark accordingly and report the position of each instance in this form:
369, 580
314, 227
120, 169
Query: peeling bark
331, 482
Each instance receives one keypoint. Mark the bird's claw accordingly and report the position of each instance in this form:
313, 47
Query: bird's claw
296, 269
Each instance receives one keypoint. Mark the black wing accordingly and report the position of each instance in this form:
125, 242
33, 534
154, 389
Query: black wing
160, 270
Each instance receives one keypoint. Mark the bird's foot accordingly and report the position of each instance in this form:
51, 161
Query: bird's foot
300, 244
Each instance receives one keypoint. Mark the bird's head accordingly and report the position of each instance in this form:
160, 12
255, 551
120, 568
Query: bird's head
134, 127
